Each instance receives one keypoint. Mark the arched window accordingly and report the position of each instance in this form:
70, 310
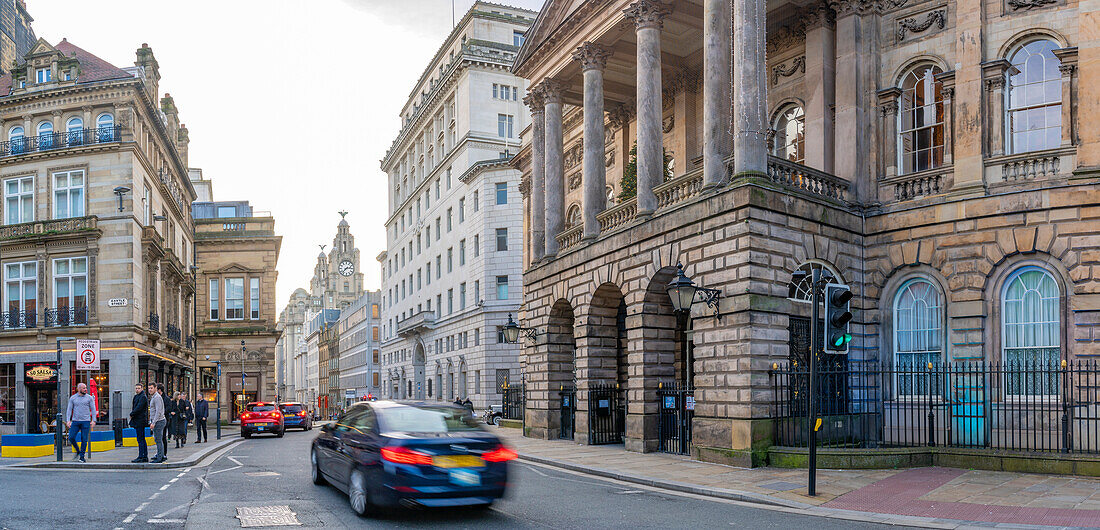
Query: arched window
45, 135
574, 217
74, 131
918, 334
105, 126
790, 134
16, 140
800, 289
920, 120
1034, 98
1031, 332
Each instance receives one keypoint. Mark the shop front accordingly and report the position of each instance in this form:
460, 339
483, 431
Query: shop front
40, 379
242, 392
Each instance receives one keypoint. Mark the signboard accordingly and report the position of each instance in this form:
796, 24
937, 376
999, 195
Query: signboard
690, 403
117, 302
45, 373
87, 354
670, 402
349, 393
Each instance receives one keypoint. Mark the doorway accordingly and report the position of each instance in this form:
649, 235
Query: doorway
42, 408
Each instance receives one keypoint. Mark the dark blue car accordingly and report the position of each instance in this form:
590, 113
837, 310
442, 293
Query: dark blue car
387, 453
296, 415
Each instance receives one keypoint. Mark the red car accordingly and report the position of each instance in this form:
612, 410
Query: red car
262, 417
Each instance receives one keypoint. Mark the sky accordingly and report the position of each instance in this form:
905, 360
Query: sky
290, 104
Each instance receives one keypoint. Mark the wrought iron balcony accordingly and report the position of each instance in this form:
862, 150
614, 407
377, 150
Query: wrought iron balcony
172, 332
66, 316
18, 320
60, 140
154, 322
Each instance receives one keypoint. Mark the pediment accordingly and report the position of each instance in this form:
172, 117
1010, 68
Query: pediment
237, 268
550, 18
41, 47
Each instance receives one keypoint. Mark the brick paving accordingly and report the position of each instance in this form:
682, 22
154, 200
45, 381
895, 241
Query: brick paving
930, 494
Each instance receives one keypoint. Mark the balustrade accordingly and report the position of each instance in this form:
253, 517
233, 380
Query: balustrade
795, 175
59, 140
570, 237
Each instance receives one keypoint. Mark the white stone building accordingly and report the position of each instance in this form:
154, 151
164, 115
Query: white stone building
452, 271
360, 329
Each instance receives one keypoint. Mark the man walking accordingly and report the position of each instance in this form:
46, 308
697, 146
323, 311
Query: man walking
139, 419
80, 418
202, 409
157, 422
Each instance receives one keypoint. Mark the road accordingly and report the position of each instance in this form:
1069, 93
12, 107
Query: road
270, 471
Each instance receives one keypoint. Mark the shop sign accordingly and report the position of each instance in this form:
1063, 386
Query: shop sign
41, 373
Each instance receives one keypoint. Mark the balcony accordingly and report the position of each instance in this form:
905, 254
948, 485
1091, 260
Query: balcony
65, 316
60, 140
154, 322
172, 332
11, 320
416, 323
47, 228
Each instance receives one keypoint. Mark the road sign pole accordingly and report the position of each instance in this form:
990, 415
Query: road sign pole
811, 401
57, 417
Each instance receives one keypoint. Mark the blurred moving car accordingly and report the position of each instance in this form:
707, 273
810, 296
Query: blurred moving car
295, 415
388, 454
262, 417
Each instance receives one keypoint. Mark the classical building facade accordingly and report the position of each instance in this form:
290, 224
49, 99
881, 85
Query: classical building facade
236, 255
291, 343
360, 328
96, 239
451, 272
939, 158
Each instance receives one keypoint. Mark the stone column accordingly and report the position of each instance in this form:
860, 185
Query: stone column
820, 87
1088, 83
593, 58
968, 159
717, 93
750, 122
994, 85
555, 164
947, 81
538, 176
888, 109
648, 16
1068, 57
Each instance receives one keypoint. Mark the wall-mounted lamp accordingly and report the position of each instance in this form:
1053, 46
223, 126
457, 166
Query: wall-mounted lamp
512, 331
683, 292
120, 191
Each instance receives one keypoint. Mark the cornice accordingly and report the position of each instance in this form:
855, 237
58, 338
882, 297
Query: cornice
573, 23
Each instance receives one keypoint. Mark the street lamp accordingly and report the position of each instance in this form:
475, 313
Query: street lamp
683, 292
120, 191
512, 331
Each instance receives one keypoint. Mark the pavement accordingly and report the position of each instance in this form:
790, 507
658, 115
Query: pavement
927, 497
120, 457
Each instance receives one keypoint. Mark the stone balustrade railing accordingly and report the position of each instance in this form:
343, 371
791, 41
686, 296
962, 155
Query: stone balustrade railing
618, 215
919, 186
679, 189
56, 226
1032, 167
798, 176
570, 237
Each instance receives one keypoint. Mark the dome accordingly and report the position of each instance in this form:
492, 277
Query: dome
343, 222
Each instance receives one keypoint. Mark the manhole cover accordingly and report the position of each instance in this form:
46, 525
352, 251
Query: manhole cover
255, 516
262, 474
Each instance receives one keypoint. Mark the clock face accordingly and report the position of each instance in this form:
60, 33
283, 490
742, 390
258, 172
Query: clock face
346, 268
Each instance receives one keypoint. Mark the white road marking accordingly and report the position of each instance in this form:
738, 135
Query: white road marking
164, 487
223, 470
161, 515
173, 480
129, 518
155, 495
235, 461
204, 483
154, 521
142, 507
181, 474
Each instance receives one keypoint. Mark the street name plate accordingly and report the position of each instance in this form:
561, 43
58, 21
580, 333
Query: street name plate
117, 302
258, 516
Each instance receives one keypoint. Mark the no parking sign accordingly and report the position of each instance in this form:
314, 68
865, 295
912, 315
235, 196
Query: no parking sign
87, 354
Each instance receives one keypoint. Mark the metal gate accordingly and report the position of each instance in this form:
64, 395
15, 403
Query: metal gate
568, 413
677, 406
514, 402
606, 415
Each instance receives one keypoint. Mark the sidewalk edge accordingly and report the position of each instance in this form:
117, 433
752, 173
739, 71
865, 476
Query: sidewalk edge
194, 459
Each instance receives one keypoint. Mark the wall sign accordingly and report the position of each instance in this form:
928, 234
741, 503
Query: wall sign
117, 302
40, 372
87, 354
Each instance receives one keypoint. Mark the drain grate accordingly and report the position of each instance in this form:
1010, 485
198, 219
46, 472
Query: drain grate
256, 516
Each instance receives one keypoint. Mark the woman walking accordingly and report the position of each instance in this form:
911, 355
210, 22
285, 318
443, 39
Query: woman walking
186, 416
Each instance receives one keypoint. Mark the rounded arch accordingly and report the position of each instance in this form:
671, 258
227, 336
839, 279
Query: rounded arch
998, 282
16, 132
419, 358
784, 103
450, 395
915, 62
462, 378
916, 325
105, 119
573, 216
799, 291
788, 131
561, 348
74, 123
44, 127
604, 339
671, 342
1023, 37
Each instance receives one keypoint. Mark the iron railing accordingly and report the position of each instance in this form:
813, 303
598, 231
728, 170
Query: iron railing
60, 140
515, 400
676, 403
172, 332
18, 320
568, 412
66, 316
1036, 405
606, 414
154, 322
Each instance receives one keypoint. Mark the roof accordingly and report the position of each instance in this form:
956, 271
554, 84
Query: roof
92, 68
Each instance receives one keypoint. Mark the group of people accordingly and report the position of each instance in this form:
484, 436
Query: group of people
167, 418
468, 404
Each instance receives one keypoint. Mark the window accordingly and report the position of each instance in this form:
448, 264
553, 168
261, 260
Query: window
16, 140
74, 131
518, 38
374, 353
68, 194
477, 245
19, 200
1035, 98
462, 209
254, 297
450, 219
502, 193
502, 239
45, 135
438, 230
790, 138
1031, 332
462, 295
450, 301
450, 260
461, 252
438, 266
476, 206
428, 274
21, 283
146, 206
234, 298
502, 287
573, 218
70, 281
43, 75
920, 121
227, 211
505, 124
374, 336
214, 299
918, 339
105, 125
7, 393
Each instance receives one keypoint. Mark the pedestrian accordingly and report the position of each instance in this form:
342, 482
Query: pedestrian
186, 416
468, 404
458, 401
139, 418
80, 418
202, 410
171, 415
157, 422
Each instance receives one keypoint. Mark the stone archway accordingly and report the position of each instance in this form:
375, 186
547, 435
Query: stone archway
602, 358
556, 358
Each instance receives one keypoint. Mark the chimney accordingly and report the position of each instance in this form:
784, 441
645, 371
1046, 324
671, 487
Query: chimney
168, 107
182, 139
148, 63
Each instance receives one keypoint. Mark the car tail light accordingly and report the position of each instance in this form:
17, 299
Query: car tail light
401, 455
246, 416
276, 415
500, 454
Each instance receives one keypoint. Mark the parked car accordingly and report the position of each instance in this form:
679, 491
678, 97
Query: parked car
493, 414
262, 417
295, 415
385, 454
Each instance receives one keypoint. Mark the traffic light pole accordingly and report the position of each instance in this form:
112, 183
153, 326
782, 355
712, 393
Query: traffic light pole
811, 399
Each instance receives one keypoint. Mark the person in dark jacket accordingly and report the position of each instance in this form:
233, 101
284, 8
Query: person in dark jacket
170, 415
202, 410
139, 421
186, 416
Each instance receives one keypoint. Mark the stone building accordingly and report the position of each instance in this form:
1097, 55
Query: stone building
360, 329
939, 158
451, 272
96, 239
236, 255
16, 34
291, 343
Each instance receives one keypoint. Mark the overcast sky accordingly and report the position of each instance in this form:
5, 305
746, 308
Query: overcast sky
291, 104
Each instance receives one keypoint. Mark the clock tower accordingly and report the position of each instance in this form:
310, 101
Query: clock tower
337, 274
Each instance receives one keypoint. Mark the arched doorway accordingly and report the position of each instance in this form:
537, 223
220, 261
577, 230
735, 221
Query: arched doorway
462, 392
561, 357
417, 391
603, 367
662, 422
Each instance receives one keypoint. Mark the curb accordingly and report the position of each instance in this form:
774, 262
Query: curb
191, 461
682, 487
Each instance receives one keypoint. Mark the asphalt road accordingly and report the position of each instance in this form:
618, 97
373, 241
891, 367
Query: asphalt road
269, 471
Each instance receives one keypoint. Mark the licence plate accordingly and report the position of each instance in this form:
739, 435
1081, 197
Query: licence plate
452, 461
260, 428
465, 477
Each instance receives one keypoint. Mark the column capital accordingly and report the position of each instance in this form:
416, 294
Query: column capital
533, 100
648, 13
551, 90
592, 56
818, 16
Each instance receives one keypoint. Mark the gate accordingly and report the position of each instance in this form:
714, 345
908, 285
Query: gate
677, 406
514, 402
568, 413
606, 418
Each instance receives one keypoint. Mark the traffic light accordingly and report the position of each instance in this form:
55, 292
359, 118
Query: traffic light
837, 317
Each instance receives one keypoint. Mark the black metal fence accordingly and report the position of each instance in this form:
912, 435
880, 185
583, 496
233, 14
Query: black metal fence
606, 414
568, 411
154, 321
677, 406
19, 319
514, 402
66, 316
1023, 406
58, 140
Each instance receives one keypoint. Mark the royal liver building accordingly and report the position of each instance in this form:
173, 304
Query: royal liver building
451, 273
